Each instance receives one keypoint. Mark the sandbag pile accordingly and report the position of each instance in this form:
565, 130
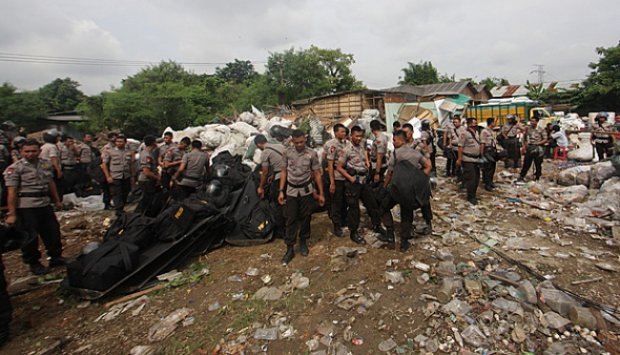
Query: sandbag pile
592, 176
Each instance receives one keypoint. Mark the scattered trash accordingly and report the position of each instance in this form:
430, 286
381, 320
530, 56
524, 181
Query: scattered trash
268, 294
387, 345
266, 334
165, 327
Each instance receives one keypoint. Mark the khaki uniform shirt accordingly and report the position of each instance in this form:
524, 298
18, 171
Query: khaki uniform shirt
406, 153
271, 157
148, 161
30, 178
379, 146
600, 133
487, 137
470, 141
173, 155
334, 148
354, 158
67, 157
163, 149
535, 135
86, 153
49, 151
196, 165
453, 136
510, 131
299, 169
119, 162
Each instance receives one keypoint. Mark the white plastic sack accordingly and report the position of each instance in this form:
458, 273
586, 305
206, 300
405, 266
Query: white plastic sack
600, 172
567, 195
584, 151
578, 175
88, 203
242, 127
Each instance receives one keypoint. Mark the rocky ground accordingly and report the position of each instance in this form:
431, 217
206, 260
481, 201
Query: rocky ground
450, 293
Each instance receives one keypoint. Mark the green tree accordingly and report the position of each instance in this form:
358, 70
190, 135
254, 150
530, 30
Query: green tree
492, 82
238, 71
338, 67
61, 95
535, 91
23, 108
420, 74
601, 90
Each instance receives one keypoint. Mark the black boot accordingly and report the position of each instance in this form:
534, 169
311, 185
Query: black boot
388, 238
338, 231
58, 261
378, 229
357, 238
290, 254
4, 334
38, 269
303, 248
428, 229
404, 245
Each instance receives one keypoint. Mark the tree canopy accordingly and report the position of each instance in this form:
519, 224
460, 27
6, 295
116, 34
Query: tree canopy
238, 71
61, 95
422, 73
23, 108
601, 90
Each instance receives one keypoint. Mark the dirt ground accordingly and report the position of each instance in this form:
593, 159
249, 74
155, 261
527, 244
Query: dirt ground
45, 317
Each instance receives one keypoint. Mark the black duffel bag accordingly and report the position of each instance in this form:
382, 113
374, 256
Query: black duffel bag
133, 228
103, 267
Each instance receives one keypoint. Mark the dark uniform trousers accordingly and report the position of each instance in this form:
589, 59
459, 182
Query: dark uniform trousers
513, 151
35, 222
488, 170
353, 194
406, 215
149, 189
338, 204
298, 213
5, 303
3, 190
530, 158
471, 178
119, 189
278, 211
83, 174
166, 177
602, 150
105, 187
70, 175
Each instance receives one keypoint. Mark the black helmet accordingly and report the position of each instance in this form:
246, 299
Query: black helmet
214, 189
602, 114
280, 132
220, 171
8, 126
18, 140
51, 136
426, 125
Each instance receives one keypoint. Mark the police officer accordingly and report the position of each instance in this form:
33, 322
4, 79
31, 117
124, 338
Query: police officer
451, 146
403, 152
69, 164
49, 151
148, 179
601, 139
192, 171
489, 148
30, 184
469, 155
5, 161
160, 154
534, 140
104, 184
18, 142
332, 150
427, 143
86, 153
117, 165
378, 152
271, 165
510, 140
352, 164
301, 166
408, 129
172, 160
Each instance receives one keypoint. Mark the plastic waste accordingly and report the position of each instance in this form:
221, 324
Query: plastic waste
165, 327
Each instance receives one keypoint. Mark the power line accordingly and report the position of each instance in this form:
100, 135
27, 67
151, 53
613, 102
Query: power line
540, 71
44, 59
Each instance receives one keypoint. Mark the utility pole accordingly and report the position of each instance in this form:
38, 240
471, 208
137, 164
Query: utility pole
540, 71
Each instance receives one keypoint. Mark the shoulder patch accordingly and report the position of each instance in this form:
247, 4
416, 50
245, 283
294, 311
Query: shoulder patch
10, 170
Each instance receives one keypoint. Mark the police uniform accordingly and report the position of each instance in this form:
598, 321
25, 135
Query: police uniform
196, 165
160, 154
452, 151
104, 184
469, 140
338, 206
300, 167
353, 159
511, 144
35, 215
85, 162
119, 163
417, 160
5, 306
534, 138
272, 158
69, 165
602, 139
149, 186
5, 161
173, 154
427, 146
379, 146
487, 137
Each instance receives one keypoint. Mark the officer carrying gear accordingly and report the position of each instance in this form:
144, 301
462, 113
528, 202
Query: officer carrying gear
49, 151
117, 165
192, 171
352, 164
271, 164
534, 140
160, 154
489, 149
601, 139
378, 153
149, 178
30, 184
172, 161
410, 159
510, 141
69, 164
301, 166
105, 186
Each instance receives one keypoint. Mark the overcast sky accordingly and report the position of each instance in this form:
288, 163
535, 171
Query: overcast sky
467, 38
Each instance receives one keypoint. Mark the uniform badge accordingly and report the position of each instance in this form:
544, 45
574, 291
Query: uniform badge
10, 170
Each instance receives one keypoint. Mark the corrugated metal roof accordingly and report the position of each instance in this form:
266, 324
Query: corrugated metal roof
521, 90
448, 89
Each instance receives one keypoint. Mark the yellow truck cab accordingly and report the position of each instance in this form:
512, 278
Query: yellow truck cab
523, 110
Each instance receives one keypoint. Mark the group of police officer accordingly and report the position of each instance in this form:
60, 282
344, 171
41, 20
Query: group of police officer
292, 175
